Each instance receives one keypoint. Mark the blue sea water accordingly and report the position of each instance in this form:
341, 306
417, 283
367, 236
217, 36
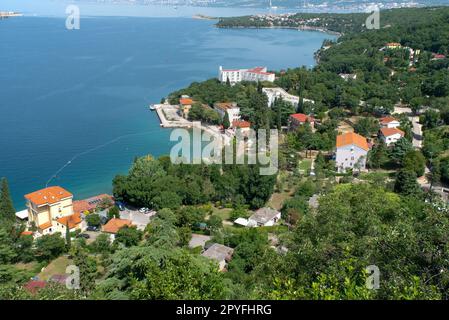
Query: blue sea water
74, 103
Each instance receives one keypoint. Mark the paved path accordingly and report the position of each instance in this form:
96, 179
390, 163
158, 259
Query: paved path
417, 132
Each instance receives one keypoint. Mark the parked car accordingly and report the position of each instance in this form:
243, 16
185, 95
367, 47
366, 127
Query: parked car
120, 205
83, 235
92, 228
144, 210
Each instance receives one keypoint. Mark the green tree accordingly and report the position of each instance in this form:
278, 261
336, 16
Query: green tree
367, 126
7, 211
399, 150
87, 267
414, 161
113, 212
50, 246
129, 236
226, 123
68, 237
7, 252
406, 183
94, 220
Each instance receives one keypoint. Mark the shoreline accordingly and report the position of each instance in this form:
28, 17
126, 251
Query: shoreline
301, 28
182, 123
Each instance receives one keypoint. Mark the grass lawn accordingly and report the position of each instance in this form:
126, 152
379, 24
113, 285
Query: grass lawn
277, 199
57, 266
305, 165
224, 213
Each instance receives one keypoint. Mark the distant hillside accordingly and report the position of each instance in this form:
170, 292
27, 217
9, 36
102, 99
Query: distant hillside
341, 23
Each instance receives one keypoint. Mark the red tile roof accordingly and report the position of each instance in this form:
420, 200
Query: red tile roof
186, 101
32, 286
241, 124
352, 138
45, 225
48, 195
386, 120
72, 220
89, 204
386, 132
115, 224
27, 233
301, 117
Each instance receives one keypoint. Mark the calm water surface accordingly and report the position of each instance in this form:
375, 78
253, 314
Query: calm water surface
73, 103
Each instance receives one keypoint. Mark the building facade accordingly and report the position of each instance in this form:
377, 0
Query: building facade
237, 75
277, 93
231, 108
49, 208
391, 135
352, 151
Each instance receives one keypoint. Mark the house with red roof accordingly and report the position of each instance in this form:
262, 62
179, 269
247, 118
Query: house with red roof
298, 119
389, 122
51, 210
352, 151
390, 135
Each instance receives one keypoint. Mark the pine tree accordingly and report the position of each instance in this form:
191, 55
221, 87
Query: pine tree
7, 211
226, 123
68, 239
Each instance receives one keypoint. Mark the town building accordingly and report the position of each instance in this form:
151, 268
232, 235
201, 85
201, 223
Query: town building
91, 204
299, 119
220, 253
114, 225
263, 217
279, 93
185, 105
50, 210
389, 122
352, 150
390, 135
237, 75
393, 45
348, 76
230, 108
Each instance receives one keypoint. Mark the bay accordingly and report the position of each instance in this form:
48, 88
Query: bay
74, 103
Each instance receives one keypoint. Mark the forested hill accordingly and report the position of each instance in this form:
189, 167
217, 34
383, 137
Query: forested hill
341, 23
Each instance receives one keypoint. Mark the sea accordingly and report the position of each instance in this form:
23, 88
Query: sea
74, 103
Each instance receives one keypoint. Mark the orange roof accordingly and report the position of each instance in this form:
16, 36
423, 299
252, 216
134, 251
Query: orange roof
73, 220
27, 233
385, 120
225, 105
45, 225
185, 101
241, 124
48, 195
301, 117
114, 225
393, 44
352, 138
89, 204
386, 132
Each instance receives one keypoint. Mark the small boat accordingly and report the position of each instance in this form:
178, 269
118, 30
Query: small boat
152, 107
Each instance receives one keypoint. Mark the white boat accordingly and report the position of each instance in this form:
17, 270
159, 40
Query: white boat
152, 107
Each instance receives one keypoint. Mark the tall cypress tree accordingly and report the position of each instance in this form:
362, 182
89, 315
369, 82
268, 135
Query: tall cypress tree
226, 122
7, 211
68, 239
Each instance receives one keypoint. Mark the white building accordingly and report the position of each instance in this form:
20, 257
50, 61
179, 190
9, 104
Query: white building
238, 75
231, 108
276, 93
264, 217
352, 150
391, 135
389, 122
